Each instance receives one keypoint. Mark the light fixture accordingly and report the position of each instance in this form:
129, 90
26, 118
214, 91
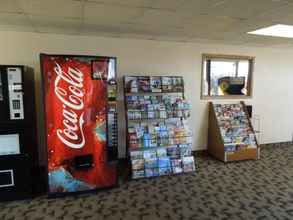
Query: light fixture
278, 30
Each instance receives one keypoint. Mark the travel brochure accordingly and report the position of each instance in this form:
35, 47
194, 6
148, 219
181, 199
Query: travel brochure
157, 107
148, 165
135, 84
174, 152
156, 134
159, 138
234, 126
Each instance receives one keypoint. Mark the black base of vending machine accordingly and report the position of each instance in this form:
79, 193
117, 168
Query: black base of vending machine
18, 134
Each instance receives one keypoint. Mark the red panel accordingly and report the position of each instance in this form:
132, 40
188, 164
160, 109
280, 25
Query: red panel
76, 124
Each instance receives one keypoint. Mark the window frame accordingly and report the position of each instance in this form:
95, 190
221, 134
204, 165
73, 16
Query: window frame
235, 58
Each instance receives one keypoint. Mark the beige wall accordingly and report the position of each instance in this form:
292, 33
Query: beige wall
273, 77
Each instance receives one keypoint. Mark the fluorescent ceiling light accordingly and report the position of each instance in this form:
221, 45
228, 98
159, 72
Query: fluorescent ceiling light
278, 30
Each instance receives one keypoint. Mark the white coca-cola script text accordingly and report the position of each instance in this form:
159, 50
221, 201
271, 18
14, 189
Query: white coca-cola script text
72, 133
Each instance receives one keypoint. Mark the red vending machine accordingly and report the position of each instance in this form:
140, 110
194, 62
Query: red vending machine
81, 122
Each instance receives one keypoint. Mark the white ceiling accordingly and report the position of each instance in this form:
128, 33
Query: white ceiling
175, 20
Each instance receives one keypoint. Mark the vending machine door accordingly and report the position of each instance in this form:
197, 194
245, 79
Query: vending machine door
75, 91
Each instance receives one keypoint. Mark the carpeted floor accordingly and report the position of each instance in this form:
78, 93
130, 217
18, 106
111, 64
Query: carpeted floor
260, 189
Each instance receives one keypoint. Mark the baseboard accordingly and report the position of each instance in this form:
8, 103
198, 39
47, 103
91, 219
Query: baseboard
204, 152
200, 152
278, 144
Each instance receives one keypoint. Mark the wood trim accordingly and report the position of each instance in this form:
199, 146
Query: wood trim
200, 153
250, 77
226, 97
215, 141
251, 60
246, 154
227, 56
202, 78
249, 122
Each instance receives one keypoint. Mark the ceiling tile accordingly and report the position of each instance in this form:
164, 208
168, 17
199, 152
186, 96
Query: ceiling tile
203, 23
17, 28
14, 19
58, 30
160, 18
126, 30
105, 14
211, 27
10, 6
15, 22
125, 3
52, 8
282, 15
55, 22
232, 8
168, 4
192, 8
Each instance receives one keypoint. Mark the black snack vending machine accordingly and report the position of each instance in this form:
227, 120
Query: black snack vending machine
18, 133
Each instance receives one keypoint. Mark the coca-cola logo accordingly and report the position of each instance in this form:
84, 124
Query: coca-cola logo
72, 133
97, 75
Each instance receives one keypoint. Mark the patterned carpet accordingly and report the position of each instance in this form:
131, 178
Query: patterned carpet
260, 189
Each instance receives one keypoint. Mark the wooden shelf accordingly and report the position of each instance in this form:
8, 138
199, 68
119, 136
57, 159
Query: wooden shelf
249, 153
216, 145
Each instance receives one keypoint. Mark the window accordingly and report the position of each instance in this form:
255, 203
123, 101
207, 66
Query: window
226, 76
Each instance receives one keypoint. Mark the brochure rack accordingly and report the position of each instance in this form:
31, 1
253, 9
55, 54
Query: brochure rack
159, 141
230, 135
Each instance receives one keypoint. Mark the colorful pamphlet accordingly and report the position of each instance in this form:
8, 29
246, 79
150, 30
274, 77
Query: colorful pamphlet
136, 174
188, 164
137, 164
156, 84
131, 84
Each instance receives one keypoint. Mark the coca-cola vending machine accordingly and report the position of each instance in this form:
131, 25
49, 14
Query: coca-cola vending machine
18, 134
81, 122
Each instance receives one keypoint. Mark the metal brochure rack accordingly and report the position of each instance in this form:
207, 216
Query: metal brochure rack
159, 141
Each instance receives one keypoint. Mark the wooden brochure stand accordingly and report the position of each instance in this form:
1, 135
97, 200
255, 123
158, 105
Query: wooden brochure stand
216, 146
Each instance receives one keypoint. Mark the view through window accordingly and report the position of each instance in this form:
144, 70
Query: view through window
226, 76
